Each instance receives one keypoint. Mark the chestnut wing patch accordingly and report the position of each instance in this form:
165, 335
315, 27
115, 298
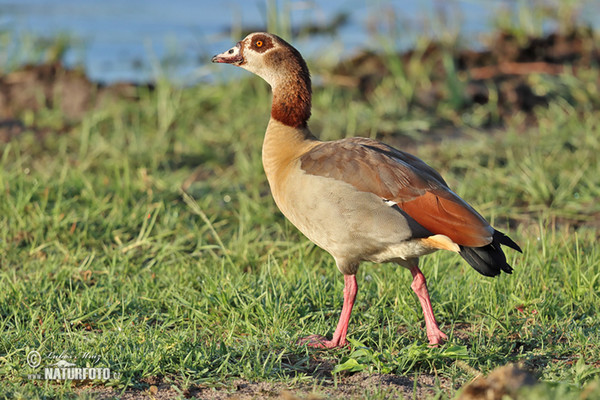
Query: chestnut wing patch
399, 177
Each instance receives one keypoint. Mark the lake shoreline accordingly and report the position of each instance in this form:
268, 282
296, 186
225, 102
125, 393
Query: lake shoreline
507, 72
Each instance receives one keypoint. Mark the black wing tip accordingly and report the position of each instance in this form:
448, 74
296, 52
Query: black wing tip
505, 240
481, 260
490, 260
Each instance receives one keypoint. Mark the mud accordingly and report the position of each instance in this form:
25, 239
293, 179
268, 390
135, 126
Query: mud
52, 86
504, 67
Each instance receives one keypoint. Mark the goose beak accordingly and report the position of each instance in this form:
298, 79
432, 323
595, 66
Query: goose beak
231, 56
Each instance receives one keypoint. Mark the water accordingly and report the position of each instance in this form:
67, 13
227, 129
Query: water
138, 40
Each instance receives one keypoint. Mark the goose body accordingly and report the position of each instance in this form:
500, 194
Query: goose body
357, 198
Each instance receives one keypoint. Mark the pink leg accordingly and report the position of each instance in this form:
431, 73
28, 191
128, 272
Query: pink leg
339, 336
419, 285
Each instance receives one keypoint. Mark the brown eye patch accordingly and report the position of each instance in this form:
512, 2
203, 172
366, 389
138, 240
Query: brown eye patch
261, 43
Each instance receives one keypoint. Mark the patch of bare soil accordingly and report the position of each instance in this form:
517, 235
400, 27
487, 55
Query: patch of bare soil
352, 386
35, 87
503, 381
504, 67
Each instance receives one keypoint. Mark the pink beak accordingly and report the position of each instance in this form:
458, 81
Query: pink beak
231, 56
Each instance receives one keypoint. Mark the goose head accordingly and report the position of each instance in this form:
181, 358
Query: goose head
269, 57
282, 66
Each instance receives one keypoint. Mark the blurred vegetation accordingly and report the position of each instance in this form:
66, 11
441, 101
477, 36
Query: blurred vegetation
102, 252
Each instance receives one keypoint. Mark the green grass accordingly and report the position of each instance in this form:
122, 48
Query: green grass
102, 253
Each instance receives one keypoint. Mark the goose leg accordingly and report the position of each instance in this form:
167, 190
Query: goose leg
339, 336
419, 285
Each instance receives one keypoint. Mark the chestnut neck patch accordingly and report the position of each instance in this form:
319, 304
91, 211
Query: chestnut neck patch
292, 96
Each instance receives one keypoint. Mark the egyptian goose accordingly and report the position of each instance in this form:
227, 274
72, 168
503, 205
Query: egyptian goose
357, 198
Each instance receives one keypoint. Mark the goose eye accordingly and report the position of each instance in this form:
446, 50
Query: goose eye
259, 43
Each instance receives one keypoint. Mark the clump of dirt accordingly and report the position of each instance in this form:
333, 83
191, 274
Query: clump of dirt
501, 383
52, 86
42, 86
504, 67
